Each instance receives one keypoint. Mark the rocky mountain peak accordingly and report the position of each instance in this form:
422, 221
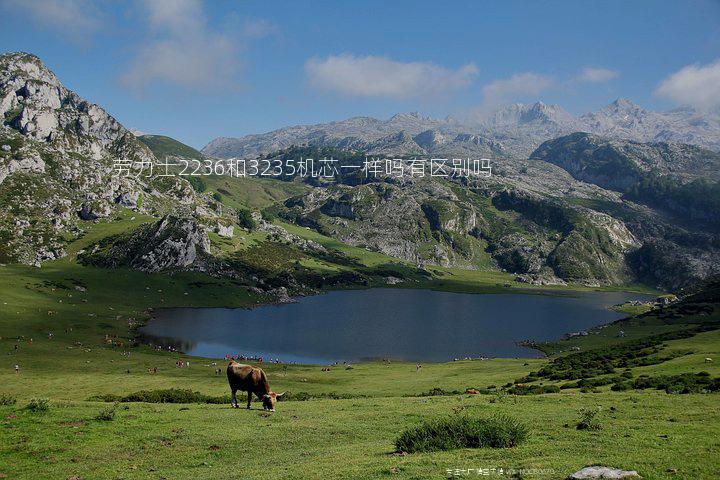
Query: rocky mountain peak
406, 116
27, 65
59, 153
621, 108
34, 102
519, 114
429, 139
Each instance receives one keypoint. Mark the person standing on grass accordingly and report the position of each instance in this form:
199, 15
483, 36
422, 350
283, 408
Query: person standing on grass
17, 369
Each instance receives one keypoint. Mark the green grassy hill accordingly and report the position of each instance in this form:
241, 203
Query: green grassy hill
163, 146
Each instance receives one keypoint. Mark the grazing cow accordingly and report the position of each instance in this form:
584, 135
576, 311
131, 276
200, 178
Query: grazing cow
251, 380
708, 360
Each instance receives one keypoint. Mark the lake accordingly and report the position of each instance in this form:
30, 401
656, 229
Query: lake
414, 325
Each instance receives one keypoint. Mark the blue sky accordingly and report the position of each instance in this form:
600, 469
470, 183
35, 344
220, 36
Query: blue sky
195, 70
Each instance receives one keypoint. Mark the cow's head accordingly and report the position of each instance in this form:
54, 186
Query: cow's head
269, 400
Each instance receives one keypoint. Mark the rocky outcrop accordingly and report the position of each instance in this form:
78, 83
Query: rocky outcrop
173, 243
682, 180
620, 165
61, 161
225, 230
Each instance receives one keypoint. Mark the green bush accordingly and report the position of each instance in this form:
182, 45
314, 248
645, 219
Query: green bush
682, 383
533, 389
245, 219
107, 414
620, 387
7, 399
174, 395
38, 405
462, 431
588, 419
439, 392
197, 183
268, 216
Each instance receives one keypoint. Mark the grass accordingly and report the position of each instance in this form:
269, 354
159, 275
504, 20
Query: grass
321, 437
462, 431
163, 146
349, 425
355, 438
252, 193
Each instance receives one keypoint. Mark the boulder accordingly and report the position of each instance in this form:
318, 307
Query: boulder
129, 200
93, 212
225, 230
603, 472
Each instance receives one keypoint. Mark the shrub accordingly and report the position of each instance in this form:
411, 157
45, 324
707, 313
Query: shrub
604, 361
172, 395
533, 389
197, 183
682, 383
588, 419
439, 392
7, 399
461, 431
107, 414
38, 405
268, 216
621, 387
498, 396
245, 219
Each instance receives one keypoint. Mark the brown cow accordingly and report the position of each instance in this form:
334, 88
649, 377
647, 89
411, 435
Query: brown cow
251, 380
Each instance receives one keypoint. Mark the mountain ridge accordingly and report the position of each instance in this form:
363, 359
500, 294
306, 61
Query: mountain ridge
516, 130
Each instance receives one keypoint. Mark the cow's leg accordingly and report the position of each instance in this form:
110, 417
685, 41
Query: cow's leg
233, 401
249, 399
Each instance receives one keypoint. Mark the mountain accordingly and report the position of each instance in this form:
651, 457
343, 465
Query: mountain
566, 215
619, 164
623, 119
63, 193
60, 156
513, 131
674, 177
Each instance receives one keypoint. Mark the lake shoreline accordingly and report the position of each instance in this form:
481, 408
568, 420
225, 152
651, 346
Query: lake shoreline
444, 307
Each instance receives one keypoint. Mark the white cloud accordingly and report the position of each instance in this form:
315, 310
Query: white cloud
74, 19
695, 85
182, 49
372, 76
500, 91
259, 28
591, 74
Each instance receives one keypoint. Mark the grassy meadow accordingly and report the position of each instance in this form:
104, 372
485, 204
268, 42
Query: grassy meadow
348, 419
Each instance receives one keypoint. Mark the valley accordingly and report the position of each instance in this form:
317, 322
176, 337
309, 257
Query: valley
91, 248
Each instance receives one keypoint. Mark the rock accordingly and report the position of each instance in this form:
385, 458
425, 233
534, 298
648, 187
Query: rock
334, 208
173, 243
225, 230
129, 200
31, 163
603, 472
95, 211
6, 148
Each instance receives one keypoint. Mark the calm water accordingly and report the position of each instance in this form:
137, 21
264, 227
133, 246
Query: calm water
417, 325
